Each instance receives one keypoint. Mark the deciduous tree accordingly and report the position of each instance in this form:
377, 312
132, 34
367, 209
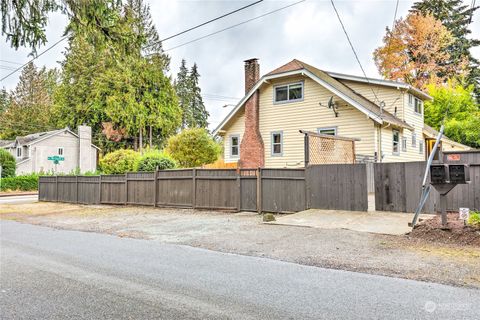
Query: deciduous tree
414, 52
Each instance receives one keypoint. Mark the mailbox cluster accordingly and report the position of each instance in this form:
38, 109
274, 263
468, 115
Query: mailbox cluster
449, 173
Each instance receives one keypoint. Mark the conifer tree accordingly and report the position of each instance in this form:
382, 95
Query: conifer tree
199, 115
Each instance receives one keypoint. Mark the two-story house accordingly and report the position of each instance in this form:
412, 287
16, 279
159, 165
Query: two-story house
36, 152
385, 117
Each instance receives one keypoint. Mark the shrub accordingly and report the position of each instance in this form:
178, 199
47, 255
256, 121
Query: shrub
22, 183
193, 148
119, 161
474, 219
151, 160
7, 161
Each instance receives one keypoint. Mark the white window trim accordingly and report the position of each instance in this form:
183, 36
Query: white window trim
328, 128
301, 83
273, 154
396, 153
420, 146
404, 144
415, 99
414, 140
231, 145
21, 152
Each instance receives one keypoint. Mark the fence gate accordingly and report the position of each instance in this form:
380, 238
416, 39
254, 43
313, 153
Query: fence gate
328, 149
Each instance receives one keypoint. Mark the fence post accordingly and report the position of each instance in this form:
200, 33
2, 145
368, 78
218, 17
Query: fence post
155, 187
306, 145
259, 190
194, 187
126, 188
76, 189
100, 189
56, 188
239, 185
307, 188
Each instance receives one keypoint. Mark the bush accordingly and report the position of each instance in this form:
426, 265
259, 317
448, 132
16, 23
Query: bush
119, 161
7, 161
193, 148
21, 183
151, 160
474, 219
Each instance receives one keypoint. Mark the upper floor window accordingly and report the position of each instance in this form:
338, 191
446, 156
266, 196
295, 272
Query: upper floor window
19, 152
416, 103
277, 143
288, 92
396, 142
330, 131
234, 146
60, 151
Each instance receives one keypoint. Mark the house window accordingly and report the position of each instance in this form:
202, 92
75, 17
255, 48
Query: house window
277, 143
396, 141
410, 99
234, 146
404, 144
19, 152
60, 151
418, 106
289, 92
420, 147
330, 131
414, 140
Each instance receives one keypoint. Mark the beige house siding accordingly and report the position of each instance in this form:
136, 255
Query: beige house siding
236, 126
391, 96
307, 114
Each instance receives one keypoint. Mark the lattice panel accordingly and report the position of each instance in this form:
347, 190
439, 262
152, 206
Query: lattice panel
326, 150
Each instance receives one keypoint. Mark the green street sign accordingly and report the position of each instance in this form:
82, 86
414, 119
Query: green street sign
56, 159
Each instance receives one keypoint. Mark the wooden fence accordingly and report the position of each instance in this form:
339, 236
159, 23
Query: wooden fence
398, 188
280, 190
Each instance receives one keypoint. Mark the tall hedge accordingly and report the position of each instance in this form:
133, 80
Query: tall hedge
193, 148
7, 161
119, 161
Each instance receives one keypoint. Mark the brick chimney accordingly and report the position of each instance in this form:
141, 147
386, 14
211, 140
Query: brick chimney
252, 153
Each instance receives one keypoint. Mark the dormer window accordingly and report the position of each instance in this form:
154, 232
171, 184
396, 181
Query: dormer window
19, 152
288, 93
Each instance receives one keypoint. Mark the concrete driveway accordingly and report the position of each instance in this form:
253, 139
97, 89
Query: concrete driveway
394, 223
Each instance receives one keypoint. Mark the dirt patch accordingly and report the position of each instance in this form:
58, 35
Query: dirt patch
455, 233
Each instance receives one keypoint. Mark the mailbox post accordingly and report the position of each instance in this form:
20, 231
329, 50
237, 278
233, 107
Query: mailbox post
444, 178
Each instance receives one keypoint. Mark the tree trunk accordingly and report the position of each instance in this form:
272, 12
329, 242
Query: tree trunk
151, 138
135, 143
140, 140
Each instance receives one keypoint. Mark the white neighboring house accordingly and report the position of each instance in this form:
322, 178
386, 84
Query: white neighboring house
32, 151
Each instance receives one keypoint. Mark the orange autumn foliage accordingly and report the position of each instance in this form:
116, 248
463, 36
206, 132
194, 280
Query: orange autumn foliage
414, 52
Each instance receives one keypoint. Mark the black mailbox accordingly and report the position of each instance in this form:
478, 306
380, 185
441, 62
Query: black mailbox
459, 173
439, 173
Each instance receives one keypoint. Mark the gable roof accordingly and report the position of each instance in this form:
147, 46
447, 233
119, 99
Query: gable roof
295, 66
6, 143
40, 136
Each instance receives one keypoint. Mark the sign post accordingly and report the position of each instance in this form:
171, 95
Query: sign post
464, 214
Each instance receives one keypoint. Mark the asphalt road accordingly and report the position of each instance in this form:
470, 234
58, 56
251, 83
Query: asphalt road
18, 199
55, 274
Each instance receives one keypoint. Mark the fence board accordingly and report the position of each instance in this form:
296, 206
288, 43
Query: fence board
283, 190
337, 186
88, 189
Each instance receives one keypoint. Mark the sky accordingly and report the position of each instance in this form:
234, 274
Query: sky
308, 31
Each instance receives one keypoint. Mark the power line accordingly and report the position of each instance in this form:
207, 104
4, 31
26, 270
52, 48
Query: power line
36, 57
12, 62
235, 25
212, 20
353, 49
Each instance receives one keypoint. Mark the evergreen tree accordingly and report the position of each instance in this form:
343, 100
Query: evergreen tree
4, 101
29, 105
199, 115
183, 93
456, 17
